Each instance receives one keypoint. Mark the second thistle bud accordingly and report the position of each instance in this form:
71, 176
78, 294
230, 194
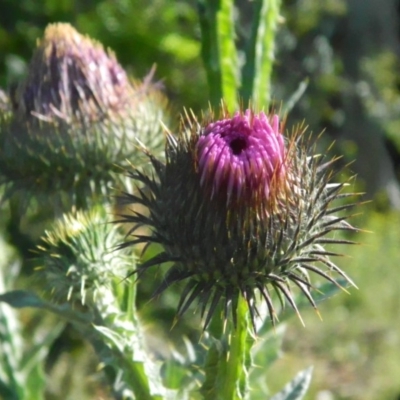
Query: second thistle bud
75, 259
239, 210
72, 77
76, 117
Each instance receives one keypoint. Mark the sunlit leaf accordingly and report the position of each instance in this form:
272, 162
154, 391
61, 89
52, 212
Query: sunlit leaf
297, 388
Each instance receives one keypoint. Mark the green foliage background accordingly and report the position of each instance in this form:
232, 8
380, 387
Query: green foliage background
141, 33
355, 350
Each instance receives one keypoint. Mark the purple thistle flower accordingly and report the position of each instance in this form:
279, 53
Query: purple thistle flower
239, 210
239, 158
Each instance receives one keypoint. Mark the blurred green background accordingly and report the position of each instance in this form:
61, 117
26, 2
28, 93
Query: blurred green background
337, 67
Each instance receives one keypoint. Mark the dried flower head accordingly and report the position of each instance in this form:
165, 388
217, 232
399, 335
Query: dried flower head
76, 117
239, 210
72, 76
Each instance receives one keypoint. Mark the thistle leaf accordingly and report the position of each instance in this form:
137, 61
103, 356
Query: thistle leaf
23, 299
296, 388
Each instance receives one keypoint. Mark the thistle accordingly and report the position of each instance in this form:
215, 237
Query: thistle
75, 117
239, 210
71, 76
76, 264
75, 260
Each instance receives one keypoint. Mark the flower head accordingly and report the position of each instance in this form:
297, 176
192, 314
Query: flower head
76, 117
239, 210
72, 76
75, 259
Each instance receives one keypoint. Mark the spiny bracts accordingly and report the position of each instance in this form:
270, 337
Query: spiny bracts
239, 210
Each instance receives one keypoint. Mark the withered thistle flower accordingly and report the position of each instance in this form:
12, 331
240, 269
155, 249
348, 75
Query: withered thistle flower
76, 116
72, 76
239, 210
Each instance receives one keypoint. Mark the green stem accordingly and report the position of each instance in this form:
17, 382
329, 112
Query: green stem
218, 51
233, 369
209, 48
138, 380
265, 53
248, 70
257, 71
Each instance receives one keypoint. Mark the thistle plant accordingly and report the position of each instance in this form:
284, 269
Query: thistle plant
22, 374
76, 116
239, 210
72, 77
242, 211
76, 262
80, 269
81, 281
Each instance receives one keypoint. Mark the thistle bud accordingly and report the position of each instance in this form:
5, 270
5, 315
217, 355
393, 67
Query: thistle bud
75, 261
239, 210
76, 116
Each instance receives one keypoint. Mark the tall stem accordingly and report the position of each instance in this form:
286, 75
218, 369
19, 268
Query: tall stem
235, 359
218, 51
260, 53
